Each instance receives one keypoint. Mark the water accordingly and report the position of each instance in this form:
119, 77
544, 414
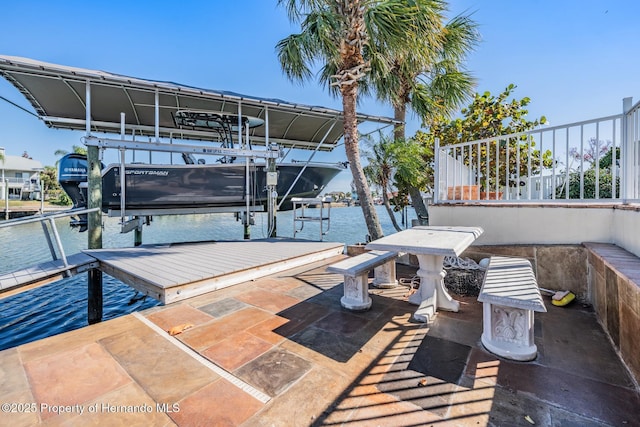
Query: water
62, 306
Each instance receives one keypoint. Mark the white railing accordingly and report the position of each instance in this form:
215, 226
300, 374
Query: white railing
19, 181
589, 160
49, 228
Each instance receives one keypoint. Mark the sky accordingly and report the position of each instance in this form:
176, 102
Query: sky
575, 59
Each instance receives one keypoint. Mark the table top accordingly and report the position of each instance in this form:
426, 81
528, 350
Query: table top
429, 240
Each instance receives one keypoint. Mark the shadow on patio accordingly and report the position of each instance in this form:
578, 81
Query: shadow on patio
439, 374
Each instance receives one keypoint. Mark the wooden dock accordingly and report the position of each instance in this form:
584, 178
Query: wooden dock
173, 272
44, 273
176, 271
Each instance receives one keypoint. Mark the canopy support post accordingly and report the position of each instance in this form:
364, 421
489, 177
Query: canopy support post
94, 196
272, 182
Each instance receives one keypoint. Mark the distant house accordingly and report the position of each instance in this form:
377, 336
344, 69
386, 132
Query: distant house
20, 176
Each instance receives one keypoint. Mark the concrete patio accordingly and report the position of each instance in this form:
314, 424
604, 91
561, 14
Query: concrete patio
292, 356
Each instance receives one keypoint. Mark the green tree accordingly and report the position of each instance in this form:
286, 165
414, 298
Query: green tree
427, 76
583, 185
78, 149
604, 184
51, 187
379, 170
606, 161
339, 35
491, 116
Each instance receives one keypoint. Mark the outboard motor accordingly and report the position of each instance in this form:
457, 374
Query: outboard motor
72, 176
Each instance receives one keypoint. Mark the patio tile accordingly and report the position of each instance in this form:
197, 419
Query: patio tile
512, 409
111, 409
280, 284
12, 376
223, 307
342, 323
463, 329
586, 356
14, 388
427, 376
236, 350
207, 335
217, 404
379, 409
269, 301
304, 292
274, 371
340, 349
594, 399
265, 330
155, 364
300, 316
179, 315
305, 402
440, 358
74, 377
78, 338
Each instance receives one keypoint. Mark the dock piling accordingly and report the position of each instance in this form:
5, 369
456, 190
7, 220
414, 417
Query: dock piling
94, 234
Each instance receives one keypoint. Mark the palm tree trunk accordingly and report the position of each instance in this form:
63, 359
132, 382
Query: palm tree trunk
400, 113
387, 205
349, 93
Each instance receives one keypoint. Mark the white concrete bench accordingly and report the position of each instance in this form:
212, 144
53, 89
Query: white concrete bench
509, 296
356, 276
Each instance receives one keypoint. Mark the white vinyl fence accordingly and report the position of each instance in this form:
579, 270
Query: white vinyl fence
589, 160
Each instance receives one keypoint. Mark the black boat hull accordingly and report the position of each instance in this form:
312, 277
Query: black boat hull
202, 186
173, 187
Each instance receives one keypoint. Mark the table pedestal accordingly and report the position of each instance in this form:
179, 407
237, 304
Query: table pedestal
432, 294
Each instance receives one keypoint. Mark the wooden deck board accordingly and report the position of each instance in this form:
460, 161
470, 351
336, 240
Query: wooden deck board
177, 271
43, 273
173, 272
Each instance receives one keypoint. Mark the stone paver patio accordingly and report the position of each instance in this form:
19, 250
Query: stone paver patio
292, 356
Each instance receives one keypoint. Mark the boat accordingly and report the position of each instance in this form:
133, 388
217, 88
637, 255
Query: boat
155, 189
158, 188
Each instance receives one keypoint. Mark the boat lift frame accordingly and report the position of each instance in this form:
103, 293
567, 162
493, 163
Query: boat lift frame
60, 95
270, 154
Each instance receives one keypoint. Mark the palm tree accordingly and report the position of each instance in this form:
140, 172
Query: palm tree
78, 149
427, 76
339, 34
380, 170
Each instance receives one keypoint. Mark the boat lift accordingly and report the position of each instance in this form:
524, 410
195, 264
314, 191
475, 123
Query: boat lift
135, 221
99, 102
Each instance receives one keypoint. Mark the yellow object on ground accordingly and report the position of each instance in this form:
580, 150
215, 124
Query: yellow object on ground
562, 298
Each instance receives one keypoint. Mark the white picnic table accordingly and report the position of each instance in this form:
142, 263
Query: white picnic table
430, 244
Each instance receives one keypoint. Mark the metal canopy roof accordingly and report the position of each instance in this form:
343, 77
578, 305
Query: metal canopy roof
58, 95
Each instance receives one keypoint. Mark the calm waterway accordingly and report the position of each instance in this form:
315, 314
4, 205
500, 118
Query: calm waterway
62, 306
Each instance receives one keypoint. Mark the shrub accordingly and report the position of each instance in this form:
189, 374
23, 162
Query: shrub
604, 180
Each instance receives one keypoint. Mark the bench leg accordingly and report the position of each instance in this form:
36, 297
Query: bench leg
384, 276
356, 293
508, 332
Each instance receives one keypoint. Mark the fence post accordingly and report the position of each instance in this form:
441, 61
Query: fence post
436, 171
626, 189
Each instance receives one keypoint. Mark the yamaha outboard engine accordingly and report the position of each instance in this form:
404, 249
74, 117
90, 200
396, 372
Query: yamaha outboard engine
72, 176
